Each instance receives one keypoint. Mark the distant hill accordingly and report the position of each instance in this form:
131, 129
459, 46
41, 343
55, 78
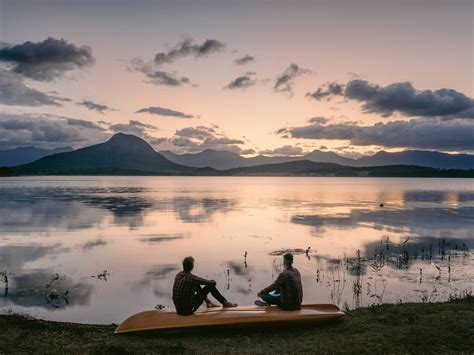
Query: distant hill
309, 168
24, 155
125, 154
222, 160
122, 154
420, 158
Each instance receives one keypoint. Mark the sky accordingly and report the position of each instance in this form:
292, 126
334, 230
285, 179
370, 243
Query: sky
273, 77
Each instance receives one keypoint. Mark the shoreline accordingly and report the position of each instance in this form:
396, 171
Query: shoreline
396, 328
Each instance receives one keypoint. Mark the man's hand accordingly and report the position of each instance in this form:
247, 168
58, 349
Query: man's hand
259, 294
213, 282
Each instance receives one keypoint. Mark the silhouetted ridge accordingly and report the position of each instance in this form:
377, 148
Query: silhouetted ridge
121, 154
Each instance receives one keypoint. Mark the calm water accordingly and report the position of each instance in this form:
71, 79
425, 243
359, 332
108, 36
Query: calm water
97, 249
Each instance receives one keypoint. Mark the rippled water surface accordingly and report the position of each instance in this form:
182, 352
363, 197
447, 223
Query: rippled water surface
97, 249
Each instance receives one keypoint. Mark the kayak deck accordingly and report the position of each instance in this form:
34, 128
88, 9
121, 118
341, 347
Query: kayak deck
241, 315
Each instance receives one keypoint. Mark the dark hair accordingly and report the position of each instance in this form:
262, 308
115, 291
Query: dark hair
188, 263
288, 257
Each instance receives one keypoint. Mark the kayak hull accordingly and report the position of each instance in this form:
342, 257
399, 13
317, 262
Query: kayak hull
238, 316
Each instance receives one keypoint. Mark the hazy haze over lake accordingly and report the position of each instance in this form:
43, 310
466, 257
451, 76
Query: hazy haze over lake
139, 229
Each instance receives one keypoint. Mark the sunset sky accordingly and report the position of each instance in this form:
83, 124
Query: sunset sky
273, 77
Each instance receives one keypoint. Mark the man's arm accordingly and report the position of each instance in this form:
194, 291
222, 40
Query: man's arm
201, 281
276, 284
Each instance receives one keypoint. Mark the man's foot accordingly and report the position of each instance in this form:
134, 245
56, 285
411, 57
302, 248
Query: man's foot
228, 304
262, 303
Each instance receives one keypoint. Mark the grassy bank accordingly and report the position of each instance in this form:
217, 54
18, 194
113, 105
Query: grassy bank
405, 328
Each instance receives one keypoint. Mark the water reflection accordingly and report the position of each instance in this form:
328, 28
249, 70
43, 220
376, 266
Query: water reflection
91, 244
441, 221
197, 210
14, 257
47, 290
84, 208
159, 238
138, 229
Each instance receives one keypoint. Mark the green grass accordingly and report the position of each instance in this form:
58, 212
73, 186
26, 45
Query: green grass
405, 328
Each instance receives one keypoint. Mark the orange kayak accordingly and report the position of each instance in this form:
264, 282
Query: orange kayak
241, 315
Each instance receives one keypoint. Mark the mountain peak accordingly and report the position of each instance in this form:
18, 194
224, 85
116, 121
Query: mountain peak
129, 142
124, 137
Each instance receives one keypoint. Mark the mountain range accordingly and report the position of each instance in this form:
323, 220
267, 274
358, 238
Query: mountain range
122, 154
223, 160
24, 155
125, 154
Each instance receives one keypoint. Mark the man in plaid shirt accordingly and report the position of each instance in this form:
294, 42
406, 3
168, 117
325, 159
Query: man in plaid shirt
288, 289
188, 294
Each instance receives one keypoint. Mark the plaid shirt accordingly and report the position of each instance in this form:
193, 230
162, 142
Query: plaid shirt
184, 289
291, 290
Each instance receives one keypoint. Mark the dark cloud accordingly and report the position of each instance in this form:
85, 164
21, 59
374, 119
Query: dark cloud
47, 60
285, 81
318, 119
47, 131
286, 150
402, 98
455, 134
14, 92
161, 111
134, 127
158, 77
242, 82
188, 48
91, 105
327, 91
167, 79
244, 60
247, 151
196, 139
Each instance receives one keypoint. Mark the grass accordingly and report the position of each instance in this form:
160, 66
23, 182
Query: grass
403, 328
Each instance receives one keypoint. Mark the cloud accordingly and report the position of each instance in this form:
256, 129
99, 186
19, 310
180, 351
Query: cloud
285, 81
242, 82
286, 150
167, 79
402, 98
327, 91
161, 111
318, 119
244, 60
47, 131
188, 48
91, 105
418, 133
248, 151
14, 92
158, 77
134, 127
196, 139
47, 60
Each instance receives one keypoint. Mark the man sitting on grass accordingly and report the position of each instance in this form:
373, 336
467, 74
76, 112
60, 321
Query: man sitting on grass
188, 295
288, 291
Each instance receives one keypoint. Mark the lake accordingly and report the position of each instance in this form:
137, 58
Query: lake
98, 249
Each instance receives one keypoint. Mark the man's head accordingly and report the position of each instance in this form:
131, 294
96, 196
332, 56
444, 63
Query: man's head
288, 259
188, 264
